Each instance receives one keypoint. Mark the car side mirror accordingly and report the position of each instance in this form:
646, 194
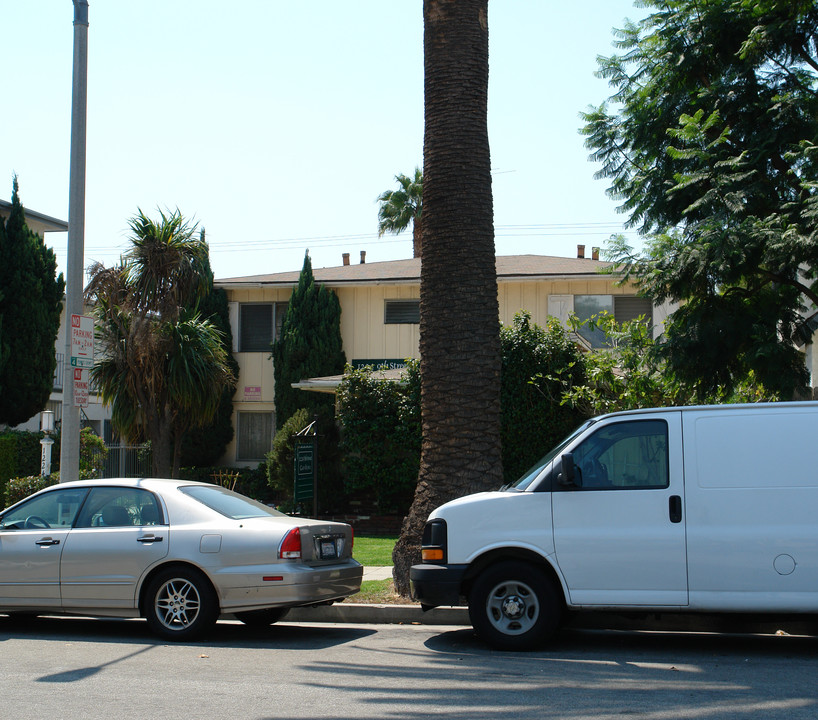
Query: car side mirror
568, 471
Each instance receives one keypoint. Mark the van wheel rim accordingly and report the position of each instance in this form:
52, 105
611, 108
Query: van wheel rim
177, 604
512, 607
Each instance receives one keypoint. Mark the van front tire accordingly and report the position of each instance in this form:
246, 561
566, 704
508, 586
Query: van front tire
514, 606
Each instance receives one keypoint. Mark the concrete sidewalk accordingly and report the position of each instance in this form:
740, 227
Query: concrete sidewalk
397, 614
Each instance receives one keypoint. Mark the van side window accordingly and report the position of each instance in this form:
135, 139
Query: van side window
626, 455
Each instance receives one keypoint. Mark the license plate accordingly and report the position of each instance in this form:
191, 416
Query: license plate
328, 550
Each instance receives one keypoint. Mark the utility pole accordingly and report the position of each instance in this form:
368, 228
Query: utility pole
75, 275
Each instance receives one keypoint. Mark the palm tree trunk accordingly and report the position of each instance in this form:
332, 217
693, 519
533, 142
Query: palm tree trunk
459, 316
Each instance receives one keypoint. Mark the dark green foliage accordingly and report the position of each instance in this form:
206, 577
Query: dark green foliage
280, 458
632, 374
31, 295
205, 445
161, 366
712, 147
20, 453
381, 420
20, 488
309, 346
280, 474
380, 439
538, 365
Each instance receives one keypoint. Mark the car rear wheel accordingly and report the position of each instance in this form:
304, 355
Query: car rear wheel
180, 604
514, 606
262, 618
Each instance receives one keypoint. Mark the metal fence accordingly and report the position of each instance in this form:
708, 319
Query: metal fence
127, 461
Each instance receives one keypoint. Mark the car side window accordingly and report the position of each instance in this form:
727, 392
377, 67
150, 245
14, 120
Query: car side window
120, 507
54, 509
625, 455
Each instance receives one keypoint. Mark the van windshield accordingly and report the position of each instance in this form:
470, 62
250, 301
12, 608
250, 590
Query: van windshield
531, 474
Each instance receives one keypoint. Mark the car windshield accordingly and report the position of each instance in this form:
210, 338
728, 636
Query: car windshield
531, 474
228, 503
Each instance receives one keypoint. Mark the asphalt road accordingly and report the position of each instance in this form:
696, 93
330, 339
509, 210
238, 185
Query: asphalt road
77, 668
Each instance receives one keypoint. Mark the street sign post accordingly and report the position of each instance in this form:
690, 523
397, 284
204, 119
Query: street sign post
305, 466
82, 356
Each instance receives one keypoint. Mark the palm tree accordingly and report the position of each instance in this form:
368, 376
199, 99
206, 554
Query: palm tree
459, 316
161, 368
400, 207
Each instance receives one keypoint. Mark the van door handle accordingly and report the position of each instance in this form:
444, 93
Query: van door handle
45, 542
149, 539
675, 506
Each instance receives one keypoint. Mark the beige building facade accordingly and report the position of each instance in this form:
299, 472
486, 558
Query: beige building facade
380, 317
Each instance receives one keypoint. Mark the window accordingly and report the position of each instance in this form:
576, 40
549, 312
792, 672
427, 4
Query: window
254, 435
229, 503
401, 312
120, 507
624, 455
54, 509
622, 307
259, 325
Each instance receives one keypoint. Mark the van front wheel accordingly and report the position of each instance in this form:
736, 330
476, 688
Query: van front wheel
514, 606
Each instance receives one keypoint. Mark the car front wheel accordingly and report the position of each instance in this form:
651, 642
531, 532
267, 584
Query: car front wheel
180, 604
514, 606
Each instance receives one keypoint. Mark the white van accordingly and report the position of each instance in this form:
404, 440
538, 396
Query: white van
695, 509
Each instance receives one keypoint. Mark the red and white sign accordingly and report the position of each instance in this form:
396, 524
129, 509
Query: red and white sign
82, 341
252, 392
82, 386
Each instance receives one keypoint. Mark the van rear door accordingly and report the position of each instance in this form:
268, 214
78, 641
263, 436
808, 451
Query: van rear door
619, 532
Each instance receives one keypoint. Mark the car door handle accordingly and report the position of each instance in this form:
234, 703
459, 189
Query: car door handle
675, 508
47, 541
149, 539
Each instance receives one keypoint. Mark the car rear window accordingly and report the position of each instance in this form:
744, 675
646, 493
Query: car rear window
228, 503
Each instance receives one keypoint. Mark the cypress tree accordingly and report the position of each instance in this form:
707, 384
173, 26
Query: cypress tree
204, 446
31, 296
309, 346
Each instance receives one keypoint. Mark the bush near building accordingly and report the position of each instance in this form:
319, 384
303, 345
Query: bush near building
380, 420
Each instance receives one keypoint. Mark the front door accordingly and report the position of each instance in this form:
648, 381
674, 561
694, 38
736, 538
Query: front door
119, 534
619, 532
32, 538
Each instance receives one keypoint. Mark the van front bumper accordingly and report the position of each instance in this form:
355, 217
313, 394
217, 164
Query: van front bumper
434, 585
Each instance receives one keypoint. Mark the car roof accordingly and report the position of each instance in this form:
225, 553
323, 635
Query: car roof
157, 484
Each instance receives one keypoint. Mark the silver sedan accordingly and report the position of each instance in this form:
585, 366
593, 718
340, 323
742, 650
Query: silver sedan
177, 553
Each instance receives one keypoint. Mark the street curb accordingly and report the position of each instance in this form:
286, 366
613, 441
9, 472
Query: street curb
373, 614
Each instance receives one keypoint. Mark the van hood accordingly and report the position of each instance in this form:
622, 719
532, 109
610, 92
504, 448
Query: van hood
473, 500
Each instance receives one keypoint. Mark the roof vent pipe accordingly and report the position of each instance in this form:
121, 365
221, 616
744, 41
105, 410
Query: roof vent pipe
580, 251
346, 258
363, 256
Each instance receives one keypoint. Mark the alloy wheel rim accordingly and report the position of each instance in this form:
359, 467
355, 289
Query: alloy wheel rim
177, 604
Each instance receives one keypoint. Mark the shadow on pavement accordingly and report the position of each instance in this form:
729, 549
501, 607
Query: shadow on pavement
225, 633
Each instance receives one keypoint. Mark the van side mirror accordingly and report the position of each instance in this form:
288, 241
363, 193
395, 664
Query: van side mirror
568, 471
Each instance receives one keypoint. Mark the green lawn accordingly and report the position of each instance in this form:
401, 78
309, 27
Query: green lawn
371, 550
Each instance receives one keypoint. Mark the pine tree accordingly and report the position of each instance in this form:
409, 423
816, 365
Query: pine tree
203, 446
309, 346
31, 295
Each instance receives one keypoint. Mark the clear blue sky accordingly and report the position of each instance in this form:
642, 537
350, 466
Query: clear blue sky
276, 124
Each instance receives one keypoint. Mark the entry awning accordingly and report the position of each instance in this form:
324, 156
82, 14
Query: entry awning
330, 383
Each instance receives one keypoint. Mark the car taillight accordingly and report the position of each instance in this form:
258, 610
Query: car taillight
290, 548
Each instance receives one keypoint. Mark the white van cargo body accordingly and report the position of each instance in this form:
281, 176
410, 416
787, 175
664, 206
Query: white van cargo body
695, 509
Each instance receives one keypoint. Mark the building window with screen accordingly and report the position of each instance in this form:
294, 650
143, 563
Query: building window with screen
622, 307
260, 325
254, 435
